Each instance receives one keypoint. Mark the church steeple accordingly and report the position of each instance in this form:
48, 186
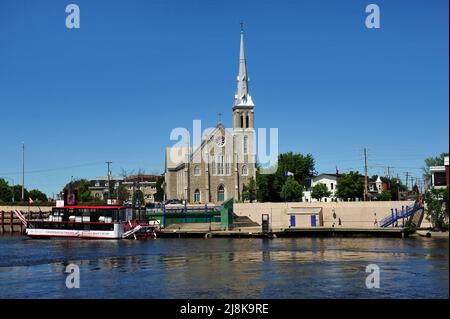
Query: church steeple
242, 97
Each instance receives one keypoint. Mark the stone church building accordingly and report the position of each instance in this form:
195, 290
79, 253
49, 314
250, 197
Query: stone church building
224, 161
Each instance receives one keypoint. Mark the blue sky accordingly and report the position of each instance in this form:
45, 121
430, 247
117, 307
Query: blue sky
115, 88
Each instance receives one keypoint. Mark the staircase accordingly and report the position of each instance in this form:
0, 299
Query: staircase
415, 212
243, 221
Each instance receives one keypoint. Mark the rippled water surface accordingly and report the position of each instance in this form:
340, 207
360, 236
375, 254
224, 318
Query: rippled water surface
224, 268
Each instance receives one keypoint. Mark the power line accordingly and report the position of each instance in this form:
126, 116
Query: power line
54, 169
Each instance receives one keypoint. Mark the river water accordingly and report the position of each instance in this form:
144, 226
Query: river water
224, 268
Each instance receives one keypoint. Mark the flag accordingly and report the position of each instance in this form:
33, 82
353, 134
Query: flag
30, 201
286, 174
337, 170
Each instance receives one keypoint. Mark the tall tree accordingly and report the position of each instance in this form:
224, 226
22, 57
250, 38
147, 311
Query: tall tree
320, 191
292, 191
270, 185
249, 190
396, 187
82, 185
5, 191
385, 195
350, 186
437, 207
36, 194
159, 195
17, 189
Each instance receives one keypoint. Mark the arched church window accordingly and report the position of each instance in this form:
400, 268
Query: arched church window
247, 121
242, 121
244, 170
220, 193
197, 170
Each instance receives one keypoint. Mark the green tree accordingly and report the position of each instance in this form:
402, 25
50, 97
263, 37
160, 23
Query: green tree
17, 189
350, 186
396, 188
36, 194
265, 189
270, 185
292, 191
432, 161
82, 185
415, 189
5, 191
437, 207
385, 195
320, 191
159, 195
249, 190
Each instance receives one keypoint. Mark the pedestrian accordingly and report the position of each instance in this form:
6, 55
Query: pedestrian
340, 223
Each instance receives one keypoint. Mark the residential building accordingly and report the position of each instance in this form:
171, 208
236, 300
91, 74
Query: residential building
330, 180
440, 174
99, 186
146, 183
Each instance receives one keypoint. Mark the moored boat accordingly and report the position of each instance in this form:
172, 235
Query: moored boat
92, 222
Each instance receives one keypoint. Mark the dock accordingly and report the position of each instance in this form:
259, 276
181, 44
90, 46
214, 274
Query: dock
10, 223
213, 230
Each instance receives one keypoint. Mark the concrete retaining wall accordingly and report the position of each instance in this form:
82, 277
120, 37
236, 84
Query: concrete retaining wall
352, 214
24, 209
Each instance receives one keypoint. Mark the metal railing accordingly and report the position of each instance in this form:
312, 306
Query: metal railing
396, 215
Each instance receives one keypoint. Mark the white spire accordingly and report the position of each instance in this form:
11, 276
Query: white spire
242, 97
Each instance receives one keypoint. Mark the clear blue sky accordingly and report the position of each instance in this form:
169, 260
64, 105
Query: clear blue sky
115, 88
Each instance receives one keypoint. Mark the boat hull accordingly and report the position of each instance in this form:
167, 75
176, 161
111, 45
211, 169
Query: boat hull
70, 233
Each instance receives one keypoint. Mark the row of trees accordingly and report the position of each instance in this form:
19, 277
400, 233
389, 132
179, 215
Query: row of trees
277, 187
8, 193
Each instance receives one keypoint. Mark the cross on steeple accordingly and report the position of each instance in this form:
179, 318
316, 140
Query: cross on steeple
242, 26
219, 116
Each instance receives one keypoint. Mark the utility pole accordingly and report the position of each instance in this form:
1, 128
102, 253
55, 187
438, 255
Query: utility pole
389, 177
23, 171
365, 174
109, 180
407, 175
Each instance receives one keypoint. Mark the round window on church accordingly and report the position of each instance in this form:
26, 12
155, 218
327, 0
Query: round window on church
220, 141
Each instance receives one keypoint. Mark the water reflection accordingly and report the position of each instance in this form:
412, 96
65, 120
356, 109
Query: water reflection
225, 268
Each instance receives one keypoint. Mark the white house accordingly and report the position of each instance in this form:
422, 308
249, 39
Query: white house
329, 180
440, 174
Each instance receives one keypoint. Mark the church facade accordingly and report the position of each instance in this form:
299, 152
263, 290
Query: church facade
225, 161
